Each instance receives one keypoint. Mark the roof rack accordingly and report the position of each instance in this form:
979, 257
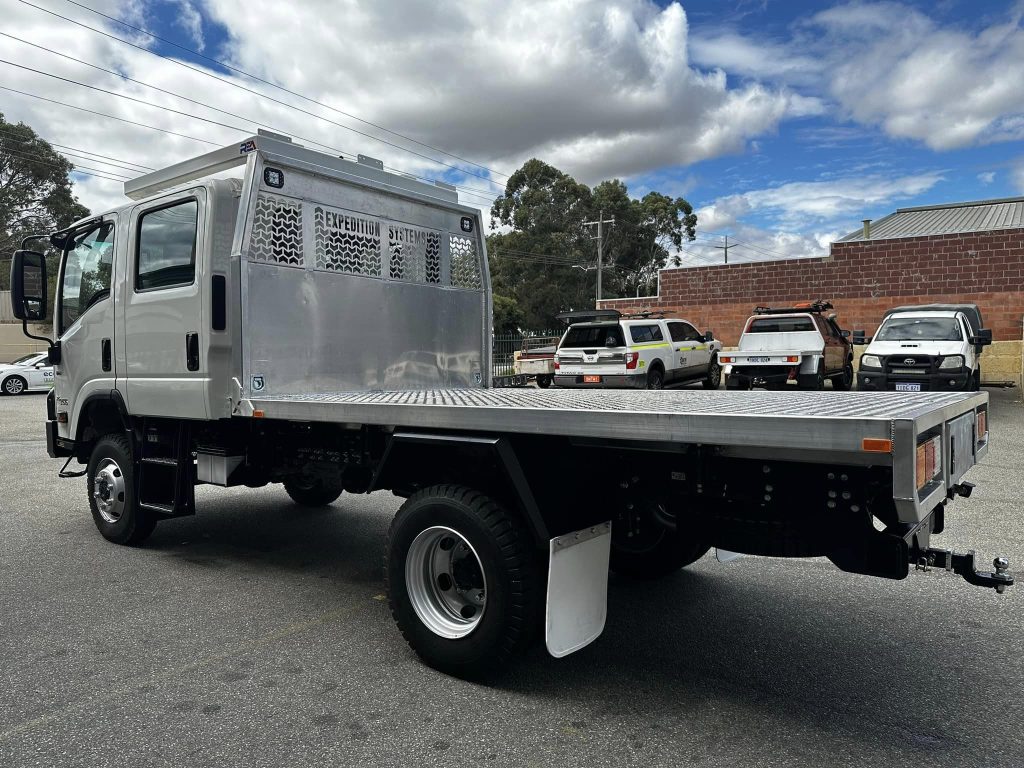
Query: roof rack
806, 306
645, 315
589, 316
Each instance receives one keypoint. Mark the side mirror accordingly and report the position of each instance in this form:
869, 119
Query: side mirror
983, 338
709, 336
846, 334
859, 337
28, 286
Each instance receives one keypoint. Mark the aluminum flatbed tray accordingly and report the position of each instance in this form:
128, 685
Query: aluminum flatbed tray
832, 421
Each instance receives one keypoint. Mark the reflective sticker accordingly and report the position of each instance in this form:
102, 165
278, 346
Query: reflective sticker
258, 383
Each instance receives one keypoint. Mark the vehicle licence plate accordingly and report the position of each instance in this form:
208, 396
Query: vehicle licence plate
759, 359
591, 379
908, 387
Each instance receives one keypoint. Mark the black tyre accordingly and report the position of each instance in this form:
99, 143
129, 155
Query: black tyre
543, 382
463, 581
110, 480
974, 382
313, 491
643, 548
714, 378
813, 381
655, 379
844, 381
14, 385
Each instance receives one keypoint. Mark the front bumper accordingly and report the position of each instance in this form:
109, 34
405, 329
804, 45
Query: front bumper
615, 381
57, 447
941, 381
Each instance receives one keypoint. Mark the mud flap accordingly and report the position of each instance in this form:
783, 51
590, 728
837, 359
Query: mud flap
577, 599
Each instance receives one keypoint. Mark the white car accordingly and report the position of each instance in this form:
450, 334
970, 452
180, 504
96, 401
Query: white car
26, 374
634, 351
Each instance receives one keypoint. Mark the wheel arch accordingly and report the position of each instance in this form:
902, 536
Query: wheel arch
102, 413
487, 463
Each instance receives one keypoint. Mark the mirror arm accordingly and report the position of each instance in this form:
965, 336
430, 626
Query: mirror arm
24, 329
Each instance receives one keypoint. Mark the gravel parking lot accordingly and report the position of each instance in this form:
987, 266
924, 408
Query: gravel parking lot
256, 633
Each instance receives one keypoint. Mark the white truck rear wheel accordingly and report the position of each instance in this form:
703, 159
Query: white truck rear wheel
463, 580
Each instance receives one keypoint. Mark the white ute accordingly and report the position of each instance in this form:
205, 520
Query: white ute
933, 347
800, 344
634, 352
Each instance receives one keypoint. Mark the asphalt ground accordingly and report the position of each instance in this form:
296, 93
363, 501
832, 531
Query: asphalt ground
256, 634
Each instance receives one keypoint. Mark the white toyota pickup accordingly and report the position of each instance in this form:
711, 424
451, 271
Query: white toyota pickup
932, 347
800, 344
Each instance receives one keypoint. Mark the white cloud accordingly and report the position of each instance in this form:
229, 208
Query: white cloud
596, 88
1017, 174
987, 177
889, 65
809, 214
191, 21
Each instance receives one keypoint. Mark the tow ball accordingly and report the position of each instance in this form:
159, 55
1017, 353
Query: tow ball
963, 563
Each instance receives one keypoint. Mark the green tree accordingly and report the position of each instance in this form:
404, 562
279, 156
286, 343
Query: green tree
35, 193
543, 260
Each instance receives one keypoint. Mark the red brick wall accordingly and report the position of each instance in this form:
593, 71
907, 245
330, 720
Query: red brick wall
862, 279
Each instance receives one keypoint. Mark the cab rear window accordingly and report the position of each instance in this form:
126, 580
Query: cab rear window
644, 334
593, 336
780, 325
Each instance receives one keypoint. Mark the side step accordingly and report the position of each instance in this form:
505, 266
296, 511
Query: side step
166, 470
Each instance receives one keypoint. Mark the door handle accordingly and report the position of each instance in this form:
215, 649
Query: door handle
192, 351
105, 354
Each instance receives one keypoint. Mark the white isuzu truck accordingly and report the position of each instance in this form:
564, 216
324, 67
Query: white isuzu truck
324, 324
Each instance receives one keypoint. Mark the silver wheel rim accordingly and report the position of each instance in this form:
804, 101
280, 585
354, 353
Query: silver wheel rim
715, 374
108, 490
445, 581
14, 386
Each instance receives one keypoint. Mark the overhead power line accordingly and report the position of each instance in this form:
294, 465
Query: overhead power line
75, 169
469, 191
82, 153
248, 90
291, 92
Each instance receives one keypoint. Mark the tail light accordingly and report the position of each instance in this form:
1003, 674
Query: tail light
557, 364
632, 358
727, 360
792, 359
929, 461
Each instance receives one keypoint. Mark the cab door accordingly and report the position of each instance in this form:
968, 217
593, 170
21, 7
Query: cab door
691, 352
84, 319
165, 372
835, 349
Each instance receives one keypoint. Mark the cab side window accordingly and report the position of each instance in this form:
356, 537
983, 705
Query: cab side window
88, 268
166, 250
691, 333
678, 331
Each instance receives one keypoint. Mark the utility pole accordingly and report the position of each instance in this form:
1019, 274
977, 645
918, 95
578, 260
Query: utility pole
725, 248
601, 221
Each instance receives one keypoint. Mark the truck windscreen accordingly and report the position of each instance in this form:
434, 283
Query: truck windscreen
920, 329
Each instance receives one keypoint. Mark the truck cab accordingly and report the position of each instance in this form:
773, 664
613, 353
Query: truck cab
929, 348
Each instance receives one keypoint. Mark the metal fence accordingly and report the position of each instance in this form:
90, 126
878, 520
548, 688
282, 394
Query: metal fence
505, 345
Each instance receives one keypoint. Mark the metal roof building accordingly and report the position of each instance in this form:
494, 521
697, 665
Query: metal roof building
949, 219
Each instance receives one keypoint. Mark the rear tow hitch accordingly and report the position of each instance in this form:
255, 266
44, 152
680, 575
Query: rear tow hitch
963, 564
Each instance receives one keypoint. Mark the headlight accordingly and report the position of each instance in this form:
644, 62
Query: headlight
953, 361
870, 361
